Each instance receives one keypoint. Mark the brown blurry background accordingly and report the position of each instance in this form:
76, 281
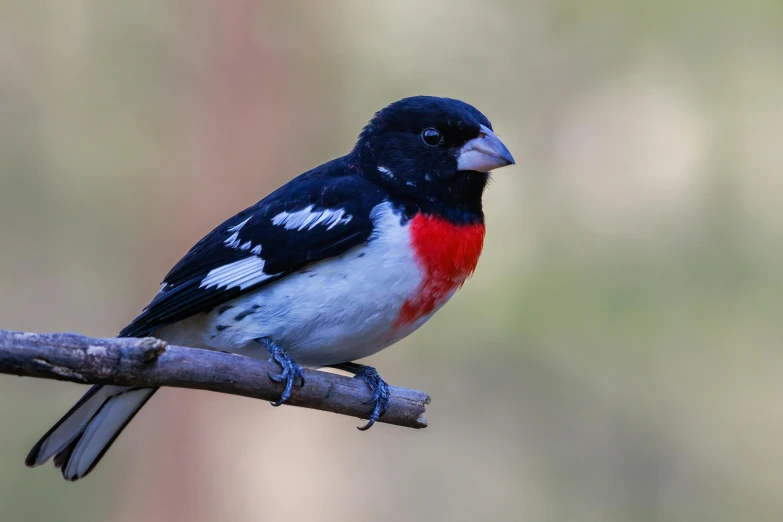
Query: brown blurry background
616, 357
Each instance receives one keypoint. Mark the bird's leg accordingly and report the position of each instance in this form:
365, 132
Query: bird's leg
291, 370
380, 390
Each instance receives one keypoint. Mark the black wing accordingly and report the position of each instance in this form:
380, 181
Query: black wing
320, 214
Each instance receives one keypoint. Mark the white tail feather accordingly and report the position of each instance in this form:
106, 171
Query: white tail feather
101, 431
72, 424
84, 434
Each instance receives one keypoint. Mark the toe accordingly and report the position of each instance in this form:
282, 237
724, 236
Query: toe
367, 426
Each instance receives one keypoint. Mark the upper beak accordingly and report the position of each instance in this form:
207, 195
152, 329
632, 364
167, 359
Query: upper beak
484, 153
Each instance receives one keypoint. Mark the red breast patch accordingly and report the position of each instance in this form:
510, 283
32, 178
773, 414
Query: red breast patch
447, 254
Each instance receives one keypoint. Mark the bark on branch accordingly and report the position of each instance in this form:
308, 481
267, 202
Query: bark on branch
150, 362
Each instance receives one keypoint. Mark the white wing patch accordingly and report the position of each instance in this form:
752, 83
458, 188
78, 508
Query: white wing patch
237, 228
387, 172
309, 218
243, 273
233, 239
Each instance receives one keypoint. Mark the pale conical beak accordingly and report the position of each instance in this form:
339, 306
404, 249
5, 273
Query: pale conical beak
484, 153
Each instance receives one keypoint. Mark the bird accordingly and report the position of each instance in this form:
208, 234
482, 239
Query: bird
337, 264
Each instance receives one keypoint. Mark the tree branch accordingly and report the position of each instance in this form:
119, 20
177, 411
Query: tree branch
150, 362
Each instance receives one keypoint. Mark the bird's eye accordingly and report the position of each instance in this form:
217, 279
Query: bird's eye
431, 137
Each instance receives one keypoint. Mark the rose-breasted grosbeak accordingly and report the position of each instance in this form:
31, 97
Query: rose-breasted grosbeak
334, 266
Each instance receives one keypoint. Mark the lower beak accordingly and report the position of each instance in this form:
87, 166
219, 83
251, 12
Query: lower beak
484, 153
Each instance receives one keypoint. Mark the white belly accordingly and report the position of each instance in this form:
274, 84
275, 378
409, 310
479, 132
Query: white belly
333, 311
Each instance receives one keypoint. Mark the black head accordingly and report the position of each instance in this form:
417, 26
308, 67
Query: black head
432, 154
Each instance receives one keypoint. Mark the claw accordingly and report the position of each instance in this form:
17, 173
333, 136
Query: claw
380, 390
381, 396
291, 370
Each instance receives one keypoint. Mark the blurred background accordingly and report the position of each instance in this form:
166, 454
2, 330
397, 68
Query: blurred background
616, 357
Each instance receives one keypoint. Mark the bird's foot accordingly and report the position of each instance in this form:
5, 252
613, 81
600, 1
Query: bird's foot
381, 397
291, 370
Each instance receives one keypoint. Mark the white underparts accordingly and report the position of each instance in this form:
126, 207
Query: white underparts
310, 217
